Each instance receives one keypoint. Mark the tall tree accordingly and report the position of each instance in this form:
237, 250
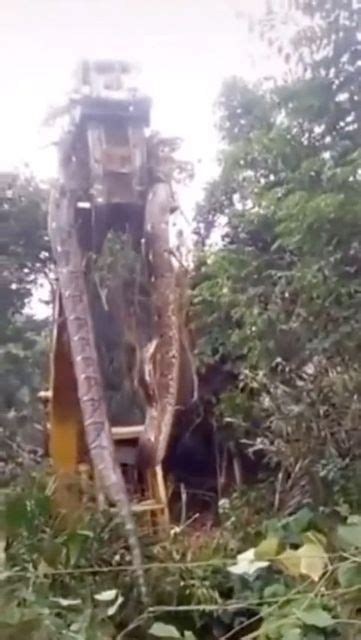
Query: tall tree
280, 300
24, 259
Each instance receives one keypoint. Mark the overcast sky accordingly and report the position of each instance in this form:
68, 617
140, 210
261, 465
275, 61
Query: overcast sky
184, 47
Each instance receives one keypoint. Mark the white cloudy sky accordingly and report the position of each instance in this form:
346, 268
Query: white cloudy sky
184, 47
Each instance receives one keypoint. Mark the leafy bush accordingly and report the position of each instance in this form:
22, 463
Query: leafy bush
301, 577
278, 297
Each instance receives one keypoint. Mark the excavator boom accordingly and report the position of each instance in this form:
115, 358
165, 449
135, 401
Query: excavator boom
115, 178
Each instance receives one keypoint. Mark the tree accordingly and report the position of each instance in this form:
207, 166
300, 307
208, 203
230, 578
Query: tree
23, 245
24, 258
280, 300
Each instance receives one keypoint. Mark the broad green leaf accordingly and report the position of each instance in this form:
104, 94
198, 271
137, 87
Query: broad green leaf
292, 634
301, 520
349, 575
313, 560
267, 549
316, 617
161, 630
276, 626
290, 562
349, 535
274, 591
106, 596
314, 537
188, 635
75, 545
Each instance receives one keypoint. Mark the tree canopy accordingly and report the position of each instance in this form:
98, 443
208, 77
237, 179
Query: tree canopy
279, 300
24, 258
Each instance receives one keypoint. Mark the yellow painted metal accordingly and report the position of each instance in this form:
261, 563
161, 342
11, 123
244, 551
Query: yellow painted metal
65, 421
65, 415
67, 448
157, 490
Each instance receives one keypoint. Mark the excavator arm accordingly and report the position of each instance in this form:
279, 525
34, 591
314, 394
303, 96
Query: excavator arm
113, 177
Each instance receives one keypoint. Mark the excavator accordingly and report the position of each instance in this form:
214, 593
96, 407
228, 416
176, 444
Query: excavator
120, 358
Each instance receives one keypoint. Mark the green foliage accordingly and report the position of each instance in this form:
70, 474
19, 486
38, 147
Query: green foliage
77, 581
123, 320
24, 258
305, 576
120, 265
22, 365
46, 577
278, 297
301, 575
24, 249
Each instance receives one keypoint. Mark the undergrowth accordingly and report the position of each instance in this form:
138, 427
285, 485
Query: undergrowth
285, 578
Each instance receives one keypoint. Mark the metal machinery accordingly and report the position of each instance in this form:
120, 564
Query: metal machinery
115, 176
